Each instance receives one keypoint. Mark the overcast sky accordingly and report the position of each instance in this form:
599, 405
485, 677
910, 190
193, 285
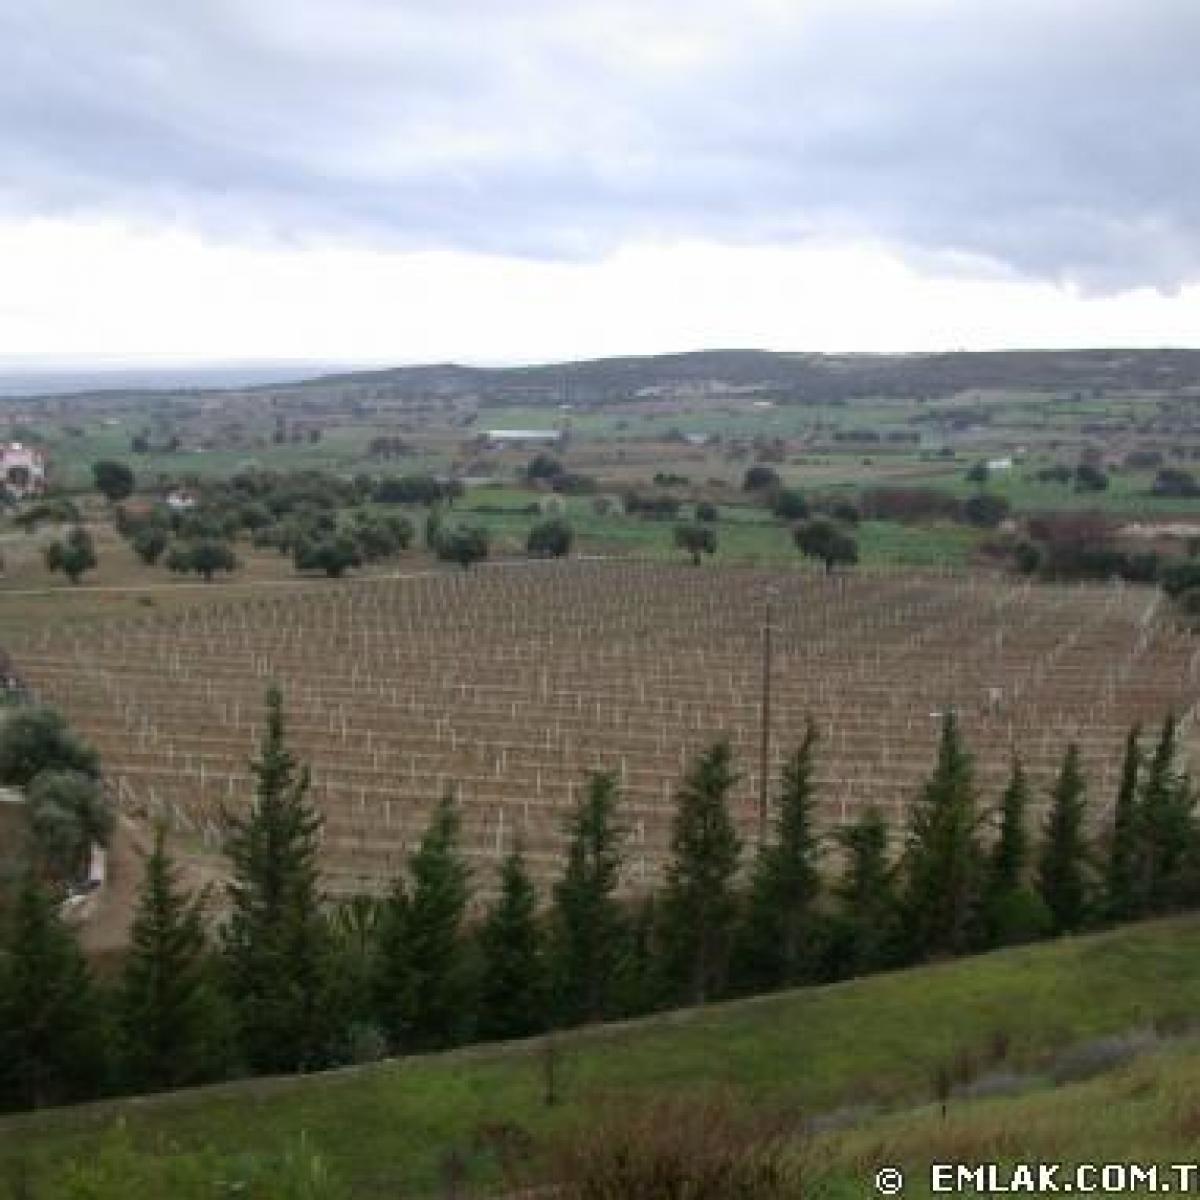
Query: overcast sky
507, 180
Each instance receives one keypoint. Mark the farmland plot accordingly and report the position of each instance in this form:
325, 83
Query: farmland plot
508, 685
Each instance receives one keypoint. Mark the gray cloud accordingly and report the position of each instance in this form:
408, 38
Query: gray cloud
1050, 138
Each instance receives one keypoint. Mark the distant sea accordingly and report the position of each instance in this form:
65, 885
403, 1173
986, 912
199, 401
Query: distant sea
19, 379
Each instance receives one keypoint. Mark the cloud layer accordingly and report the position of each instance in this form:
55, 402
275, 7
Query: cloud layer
1045, 139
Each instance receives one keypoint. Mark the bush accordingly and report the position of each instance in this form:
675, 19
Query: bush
696, 539
707, 512
684, 1150
38, 739
986, 509
334, 555
74, 555
789, 504
550, 539
1090, 479
760, 479
114, 480
462, 544
149, 543
204, 558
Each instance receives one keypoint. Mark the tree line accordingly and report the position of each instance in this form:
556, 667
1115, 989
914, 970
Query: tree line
284, 981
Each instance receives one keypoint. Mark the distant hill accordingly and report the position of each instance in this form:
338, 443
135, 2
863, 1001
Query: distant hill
794, 377
789, 377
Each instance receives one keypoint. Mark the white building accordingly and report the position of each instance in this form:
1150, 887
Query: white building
524, 437
23, 469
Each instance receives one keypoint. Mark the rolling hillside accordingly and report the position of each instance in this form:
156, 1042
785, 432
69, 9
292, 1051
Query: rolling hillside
868, 1052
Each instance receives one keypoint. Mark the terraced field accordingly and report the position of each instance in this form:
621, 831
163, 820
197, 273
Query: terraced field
509, 684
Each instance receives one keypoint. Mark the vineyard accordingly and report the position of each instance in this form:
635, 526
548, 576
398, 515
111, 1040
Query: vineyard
508, 685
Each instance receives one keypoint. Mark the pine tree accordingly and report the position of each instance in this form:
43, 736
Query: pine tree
168, 1012
1062, 864
276, 943
512, 999
776, 939
1010, 911
865, 928
50, 1035
942, 857
698, 904
1167, 830
422, 964
588, 929
1121, 878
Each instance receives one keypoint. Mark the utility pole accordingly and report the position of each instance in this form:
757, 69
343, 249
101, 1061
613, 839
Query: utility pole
764, 757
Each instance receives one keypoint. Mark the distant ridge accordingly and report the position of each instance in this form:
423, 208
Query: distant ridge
796, 377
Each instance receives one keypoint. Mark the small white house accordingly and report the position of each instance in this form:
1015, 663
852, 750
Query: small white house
181, 501
23, 469
1000, 464
524, 437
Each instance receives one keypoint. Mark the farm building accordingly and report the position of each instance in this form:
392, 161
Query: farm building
23, 468
524, 437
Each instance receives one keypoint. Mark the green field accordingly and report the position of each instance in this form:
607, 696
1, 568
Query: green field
876, 1042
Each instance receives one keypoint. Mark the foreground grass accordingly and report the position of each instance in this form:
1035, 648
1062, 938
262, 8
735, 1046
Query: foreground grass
1145, 1112
386, 1129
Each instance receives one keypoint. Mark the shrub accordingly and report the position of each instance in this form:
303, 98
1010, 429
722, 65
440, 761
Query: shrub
698, 1150
550, 539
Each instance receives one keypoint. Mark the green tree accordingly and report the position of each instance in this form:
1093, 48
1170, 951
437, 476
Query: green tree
276, 943
1167, 832
149, 543
114, 480
1062, 863
866, 932
462, 544
550, 539
588, 929
423, 967
67, 814
1010, 910
73, 556
204, 557
167, 1003
698, 903
513, 992
941, 863
332, 555
821, 539
696, 539
38, 739
1121, 875
776, 943
50, 1034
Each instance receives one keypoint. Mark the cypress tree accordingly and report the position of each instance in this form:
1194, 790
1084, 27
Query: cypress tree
512, 995
167, 1008
865, 928
942, 858
698, 903
423, 949
390, 974
276, 944
1062, 864
50, 1032
777, 936
588, 929
1121, 877
1010, 911
1167, 827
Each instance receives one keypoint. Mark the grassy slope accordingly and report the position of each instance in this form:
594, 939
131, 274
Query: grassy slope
880, 1039
1146, 1112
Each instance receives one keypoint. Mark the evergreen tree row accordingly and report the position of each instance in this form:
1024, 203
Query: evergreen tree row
290, 983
